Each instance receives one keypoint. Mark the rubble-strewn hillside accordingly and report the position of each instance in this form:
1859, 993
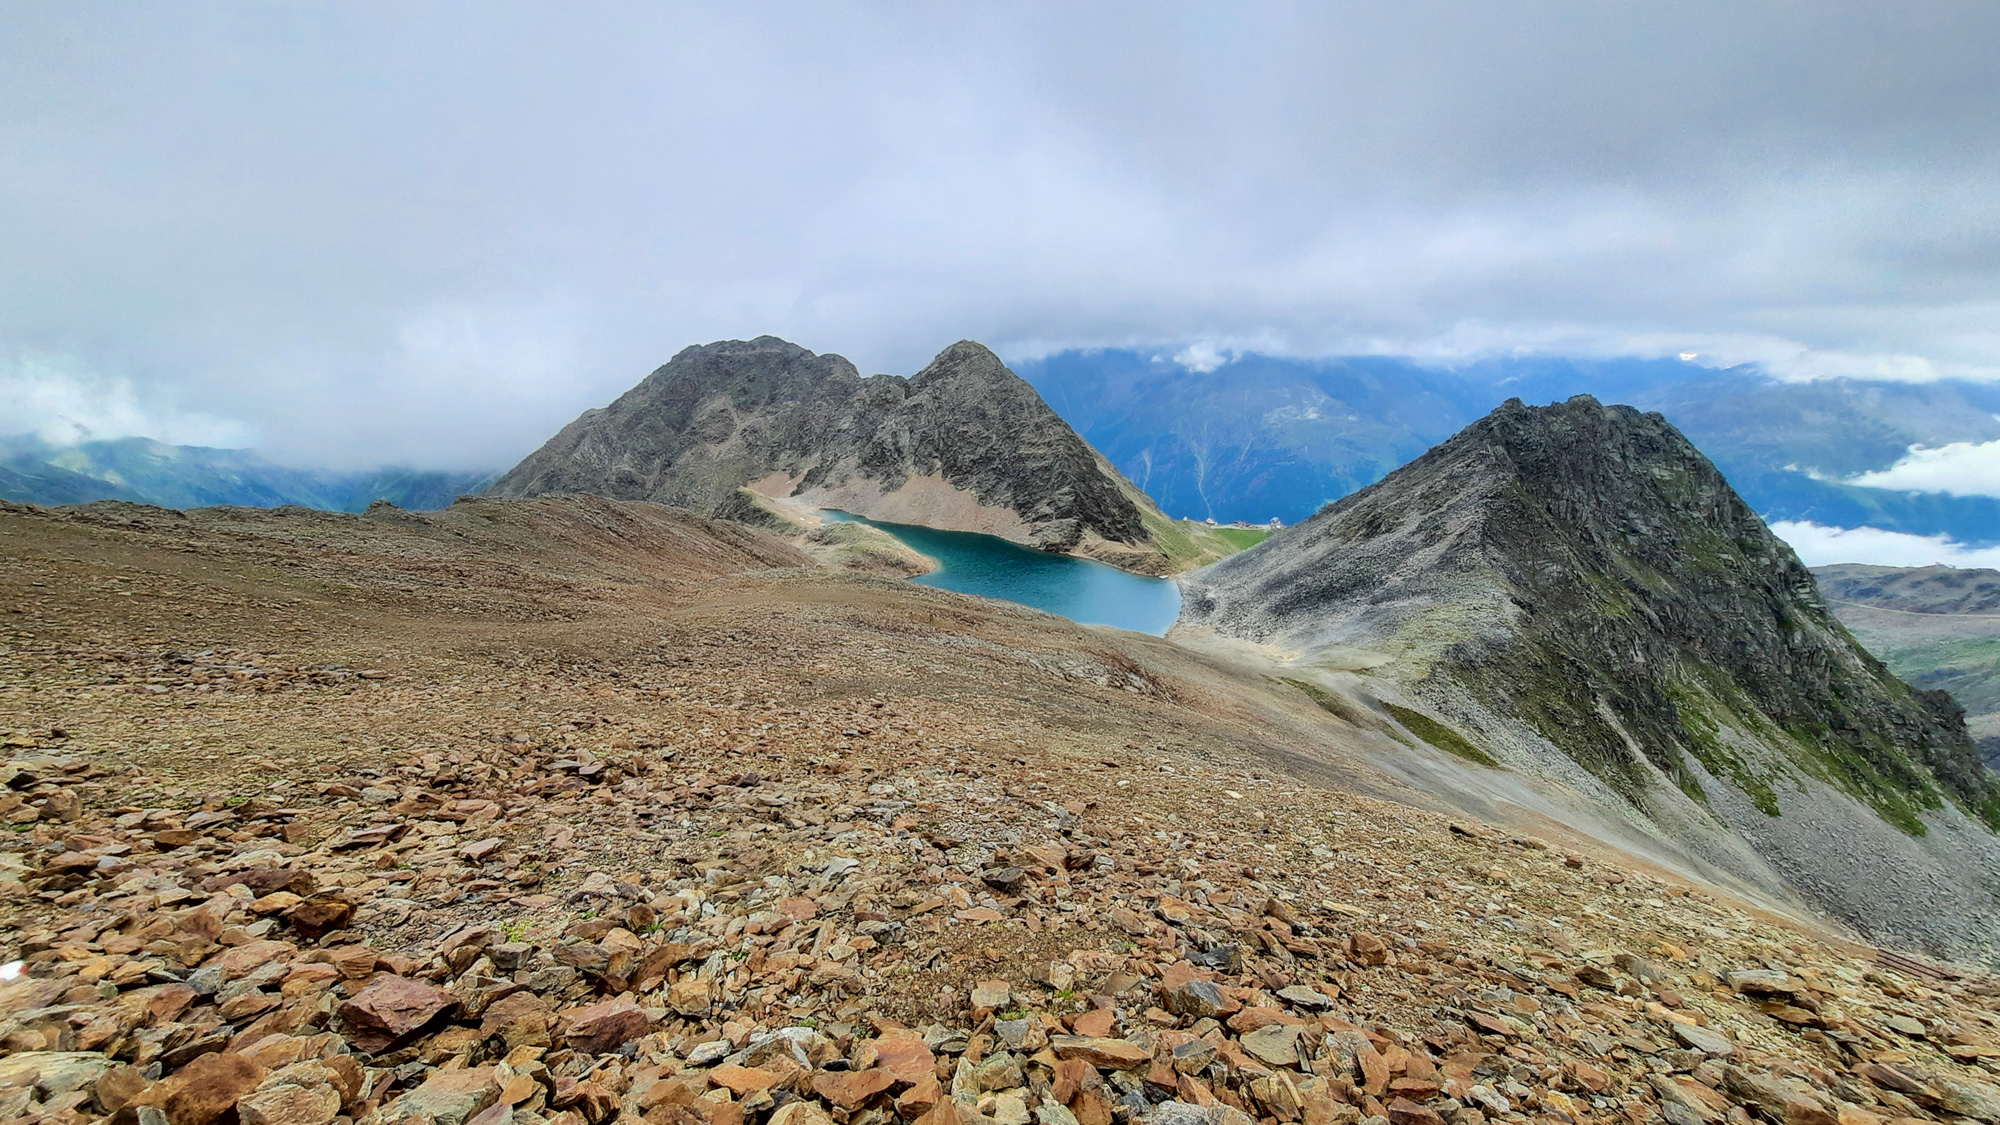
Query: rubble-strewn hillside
561, 813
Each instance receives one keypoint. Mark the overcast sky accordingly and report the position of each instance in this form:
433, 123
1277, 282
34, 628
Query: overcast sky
433, 233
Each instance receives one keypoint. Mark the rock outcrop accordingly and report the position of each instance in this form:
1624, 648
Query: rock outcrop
1578, 589
964, 445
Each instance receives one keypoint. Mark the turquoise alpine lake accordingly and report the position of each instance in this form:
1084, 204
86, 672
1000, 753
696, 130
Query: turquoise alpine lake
1086, 592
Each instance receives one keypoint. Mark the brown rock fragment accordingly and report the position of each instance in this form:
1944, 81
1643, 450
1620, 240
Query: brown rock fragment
207, 1088
1403, 1111
851, 1089
391, 1008
604, 1026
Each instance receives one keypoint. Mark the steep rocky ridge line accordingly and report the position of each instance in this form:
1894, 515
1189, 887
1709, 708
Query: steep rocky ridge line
964, 445
1577, 586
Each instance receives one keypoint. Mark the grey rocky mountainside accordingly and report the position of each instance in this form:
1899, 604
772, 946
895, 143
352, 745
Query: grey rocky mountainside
964, 444
1578, 591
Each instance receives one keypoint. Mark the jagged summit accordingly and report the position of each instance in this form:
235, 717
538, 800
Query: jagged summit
1577, 585
964, 444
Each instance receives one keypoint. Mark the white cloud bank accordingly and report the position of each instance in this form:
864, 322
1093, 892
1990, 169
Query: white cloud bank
1820, 546
389, 232
62, 406
1962, 468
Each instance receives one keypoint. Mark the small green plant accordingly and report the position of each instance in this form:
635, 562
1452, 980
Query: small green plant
514, 931
1014, 1014
237, 801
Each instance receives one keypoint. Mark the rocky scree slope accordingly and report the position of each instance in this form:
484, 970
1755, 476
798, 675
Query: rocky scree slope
964, 445
609, 829
1577, 586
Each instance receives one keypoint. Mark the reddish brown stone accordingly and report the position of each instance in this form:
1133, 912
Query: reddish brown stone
604, 1026
208, 1087
851, 1089
743, 1080
320, 915
391, 1008
906, 1058
1403, 1111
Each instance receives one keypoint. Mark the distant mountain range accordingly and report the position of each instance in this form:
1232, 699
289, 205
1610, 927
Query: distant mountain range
1263, 436
190, 476
1935, 626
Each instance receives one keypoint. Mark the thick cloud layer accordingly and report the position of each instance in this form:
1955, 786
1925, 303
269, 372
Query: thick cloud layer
1819, 546
432, 233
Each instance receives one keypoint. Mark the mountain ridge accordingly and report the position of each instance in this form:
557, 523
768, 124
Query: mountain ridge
145, 471
1935, 626
964, 444
1579, 580
1263, 436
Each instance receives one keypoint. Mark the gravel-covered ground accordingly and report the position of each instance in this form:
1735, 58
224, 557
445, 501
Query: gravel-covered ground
573, 811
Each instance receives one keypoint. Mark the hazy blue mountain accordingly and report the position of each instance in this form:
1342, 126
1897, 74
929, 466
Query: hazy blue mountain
1264, 436
190, 476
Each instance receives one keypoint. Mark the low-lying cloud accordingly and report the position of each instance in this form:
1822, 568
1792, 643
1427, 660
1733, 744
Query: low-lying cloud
432, 234
1961, 468
1818, 545
62, 406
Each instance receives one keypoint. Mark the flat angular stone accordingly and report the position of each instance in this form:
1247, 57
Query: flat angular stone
1116, 1054
447, 1097
1714, 1044
207, 1088
604, 1026
1276, 1044
391, 1008
851, 1089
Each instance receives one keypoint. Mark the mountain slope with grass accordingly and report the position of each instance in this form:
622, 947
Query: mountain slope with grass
1576, 591
192, 476
1935, 626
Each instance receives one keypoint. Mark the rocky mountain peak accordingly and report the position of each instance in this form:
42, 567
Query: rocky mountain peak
963, 445
1577, 585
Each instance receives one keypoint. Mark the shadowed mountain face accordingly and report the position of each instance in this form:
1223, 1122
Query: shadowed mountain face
1578, 587
963, 445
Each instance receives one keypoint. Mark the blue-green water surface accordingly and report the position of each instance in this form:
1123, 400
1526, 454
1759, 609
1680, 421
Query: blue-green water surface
1086, 592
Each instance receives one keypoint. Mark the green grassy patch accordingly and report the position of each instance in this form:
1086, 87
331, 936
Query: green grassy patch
1704, 741
1440, 736
1329, 702
1188, 544
1242, 537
